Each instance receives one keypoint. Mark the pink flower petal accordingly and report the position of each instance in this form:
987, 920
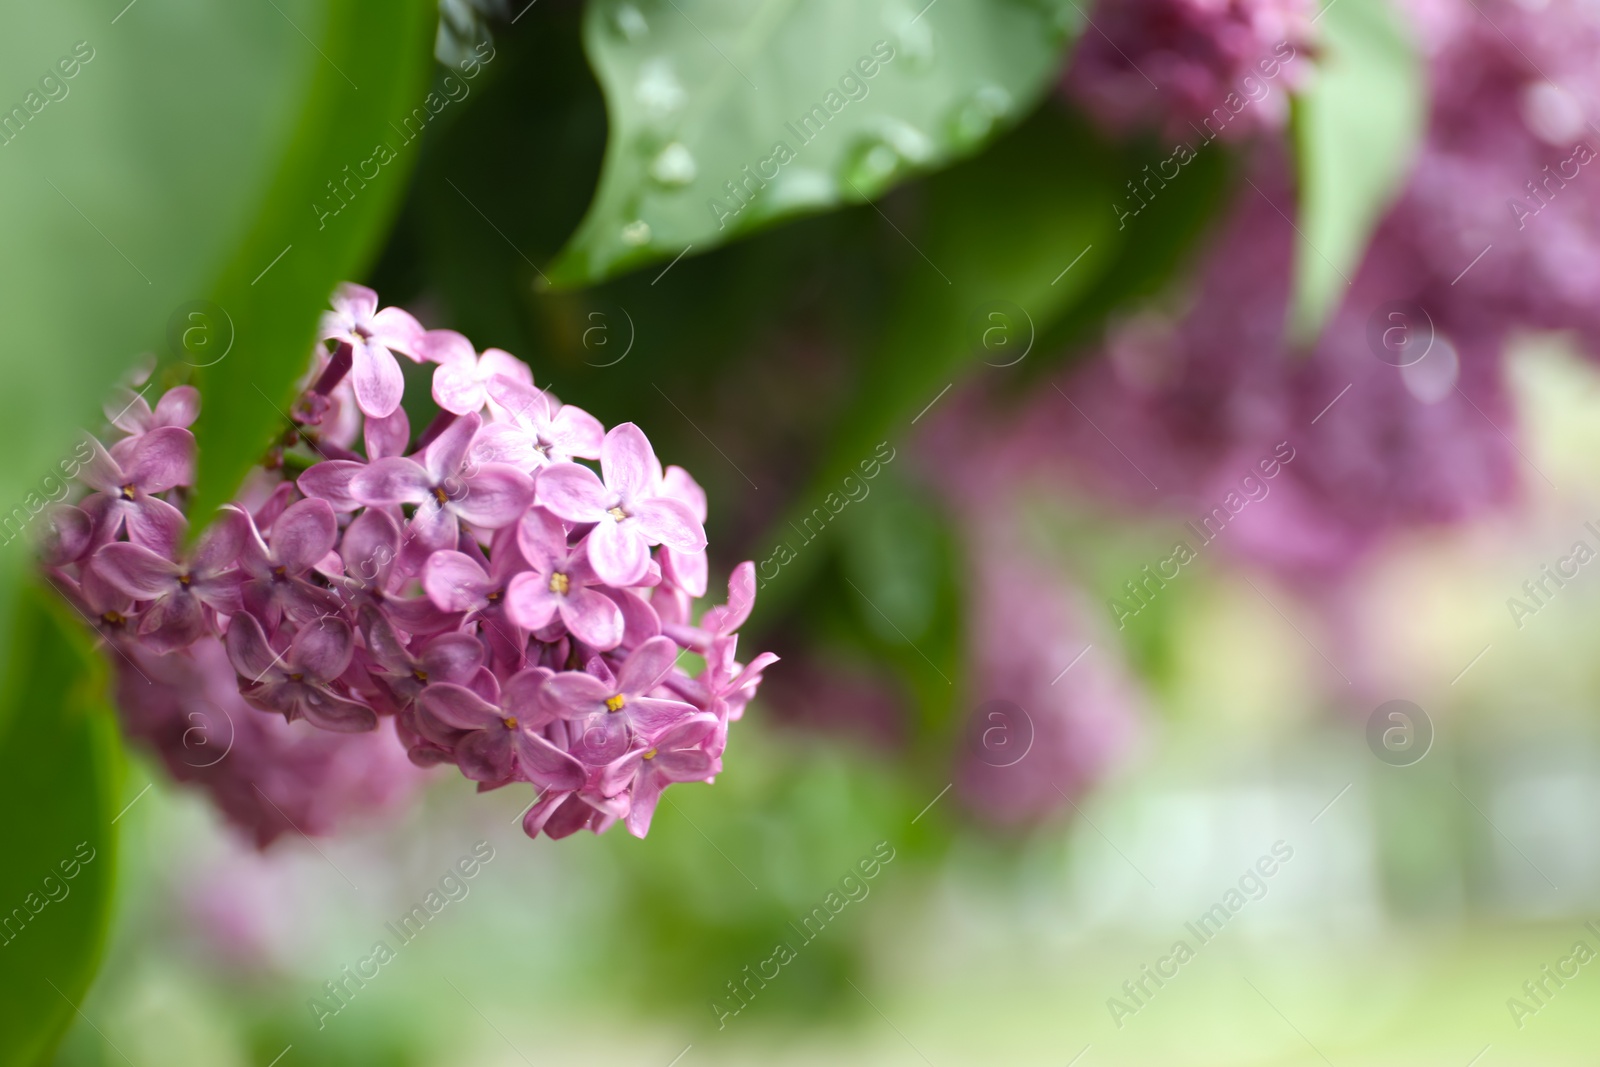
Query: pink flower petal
644, 668
664, 521
330, 480
458, 706
485, 755
162, 459
529, 601
376, 376
592, 617
545, 765
252, 657
495, 497
356, 301
396, 329
388, 436
572, 492
443, 458
456, 388
303, 534
573, 694
392, 480
628, 462
577, 433
136, 571
335, 713
179, 406
454, 581
322, 651
155, 524
618, 553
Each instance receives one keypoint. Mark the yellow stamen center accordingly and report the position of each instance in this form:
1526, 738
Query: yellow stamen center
615, 703
651, 754
509, 723
421, 676
559, 584
440, 495
297, 677
128, 491
617, 513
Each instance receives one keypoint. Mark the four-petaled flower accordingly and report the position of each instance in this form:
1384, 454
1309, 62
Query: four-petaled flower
628, 510
374, 337
178, 592
445, 489
295, 682
498, 734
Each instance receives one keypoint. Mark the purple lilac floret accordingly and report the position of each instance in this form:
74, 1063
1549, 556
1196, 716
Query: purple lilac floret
475, 592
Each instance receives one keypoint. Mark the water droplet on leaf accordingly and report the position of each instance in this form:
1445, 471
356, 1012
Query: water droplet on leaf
974, 118
673, 165
630, 22
636, 233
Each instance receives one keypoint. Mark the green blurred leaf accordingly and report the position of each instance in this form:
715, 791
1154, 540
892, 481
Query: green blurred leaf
1022, 232
892, 557
320, 222
1356, 128
60, 769
701, 95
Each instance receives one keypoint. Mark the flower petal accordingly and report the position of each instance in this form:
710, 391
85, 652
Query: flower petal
178, 406
355, 301
371, 543
397, 329
573, 694
545, 765
485, 755
572, 492
592, 617
458, 706
336, 714
136, 570
652, 717
161, 459
644, 668
303, 534
529, 601
665, 521
618, 553
444, 456
388, 436
577, 433
628, 462
391, 480
495, 497
376, 376
155, 524
330, 481
456, 389
252, 657
452, 658
454, 581
323, 651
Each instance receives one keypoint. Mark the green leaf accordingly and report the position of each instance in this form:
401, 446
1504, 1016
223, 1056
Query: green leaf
319, 223
60, 769
1355, 130
706, 102
1008, 242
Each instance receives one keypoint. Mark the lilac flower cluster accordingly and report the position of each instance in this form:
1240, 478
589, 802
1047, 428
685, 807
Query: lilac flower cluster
1173, 64
507, 608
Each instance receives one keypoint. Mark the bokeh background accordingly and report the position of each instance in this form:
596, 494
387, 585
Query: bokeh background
1062, 358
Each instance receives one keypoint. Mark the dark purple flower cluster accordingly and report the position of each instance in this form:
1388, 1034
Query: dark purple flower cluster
509, 609
1179, 65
